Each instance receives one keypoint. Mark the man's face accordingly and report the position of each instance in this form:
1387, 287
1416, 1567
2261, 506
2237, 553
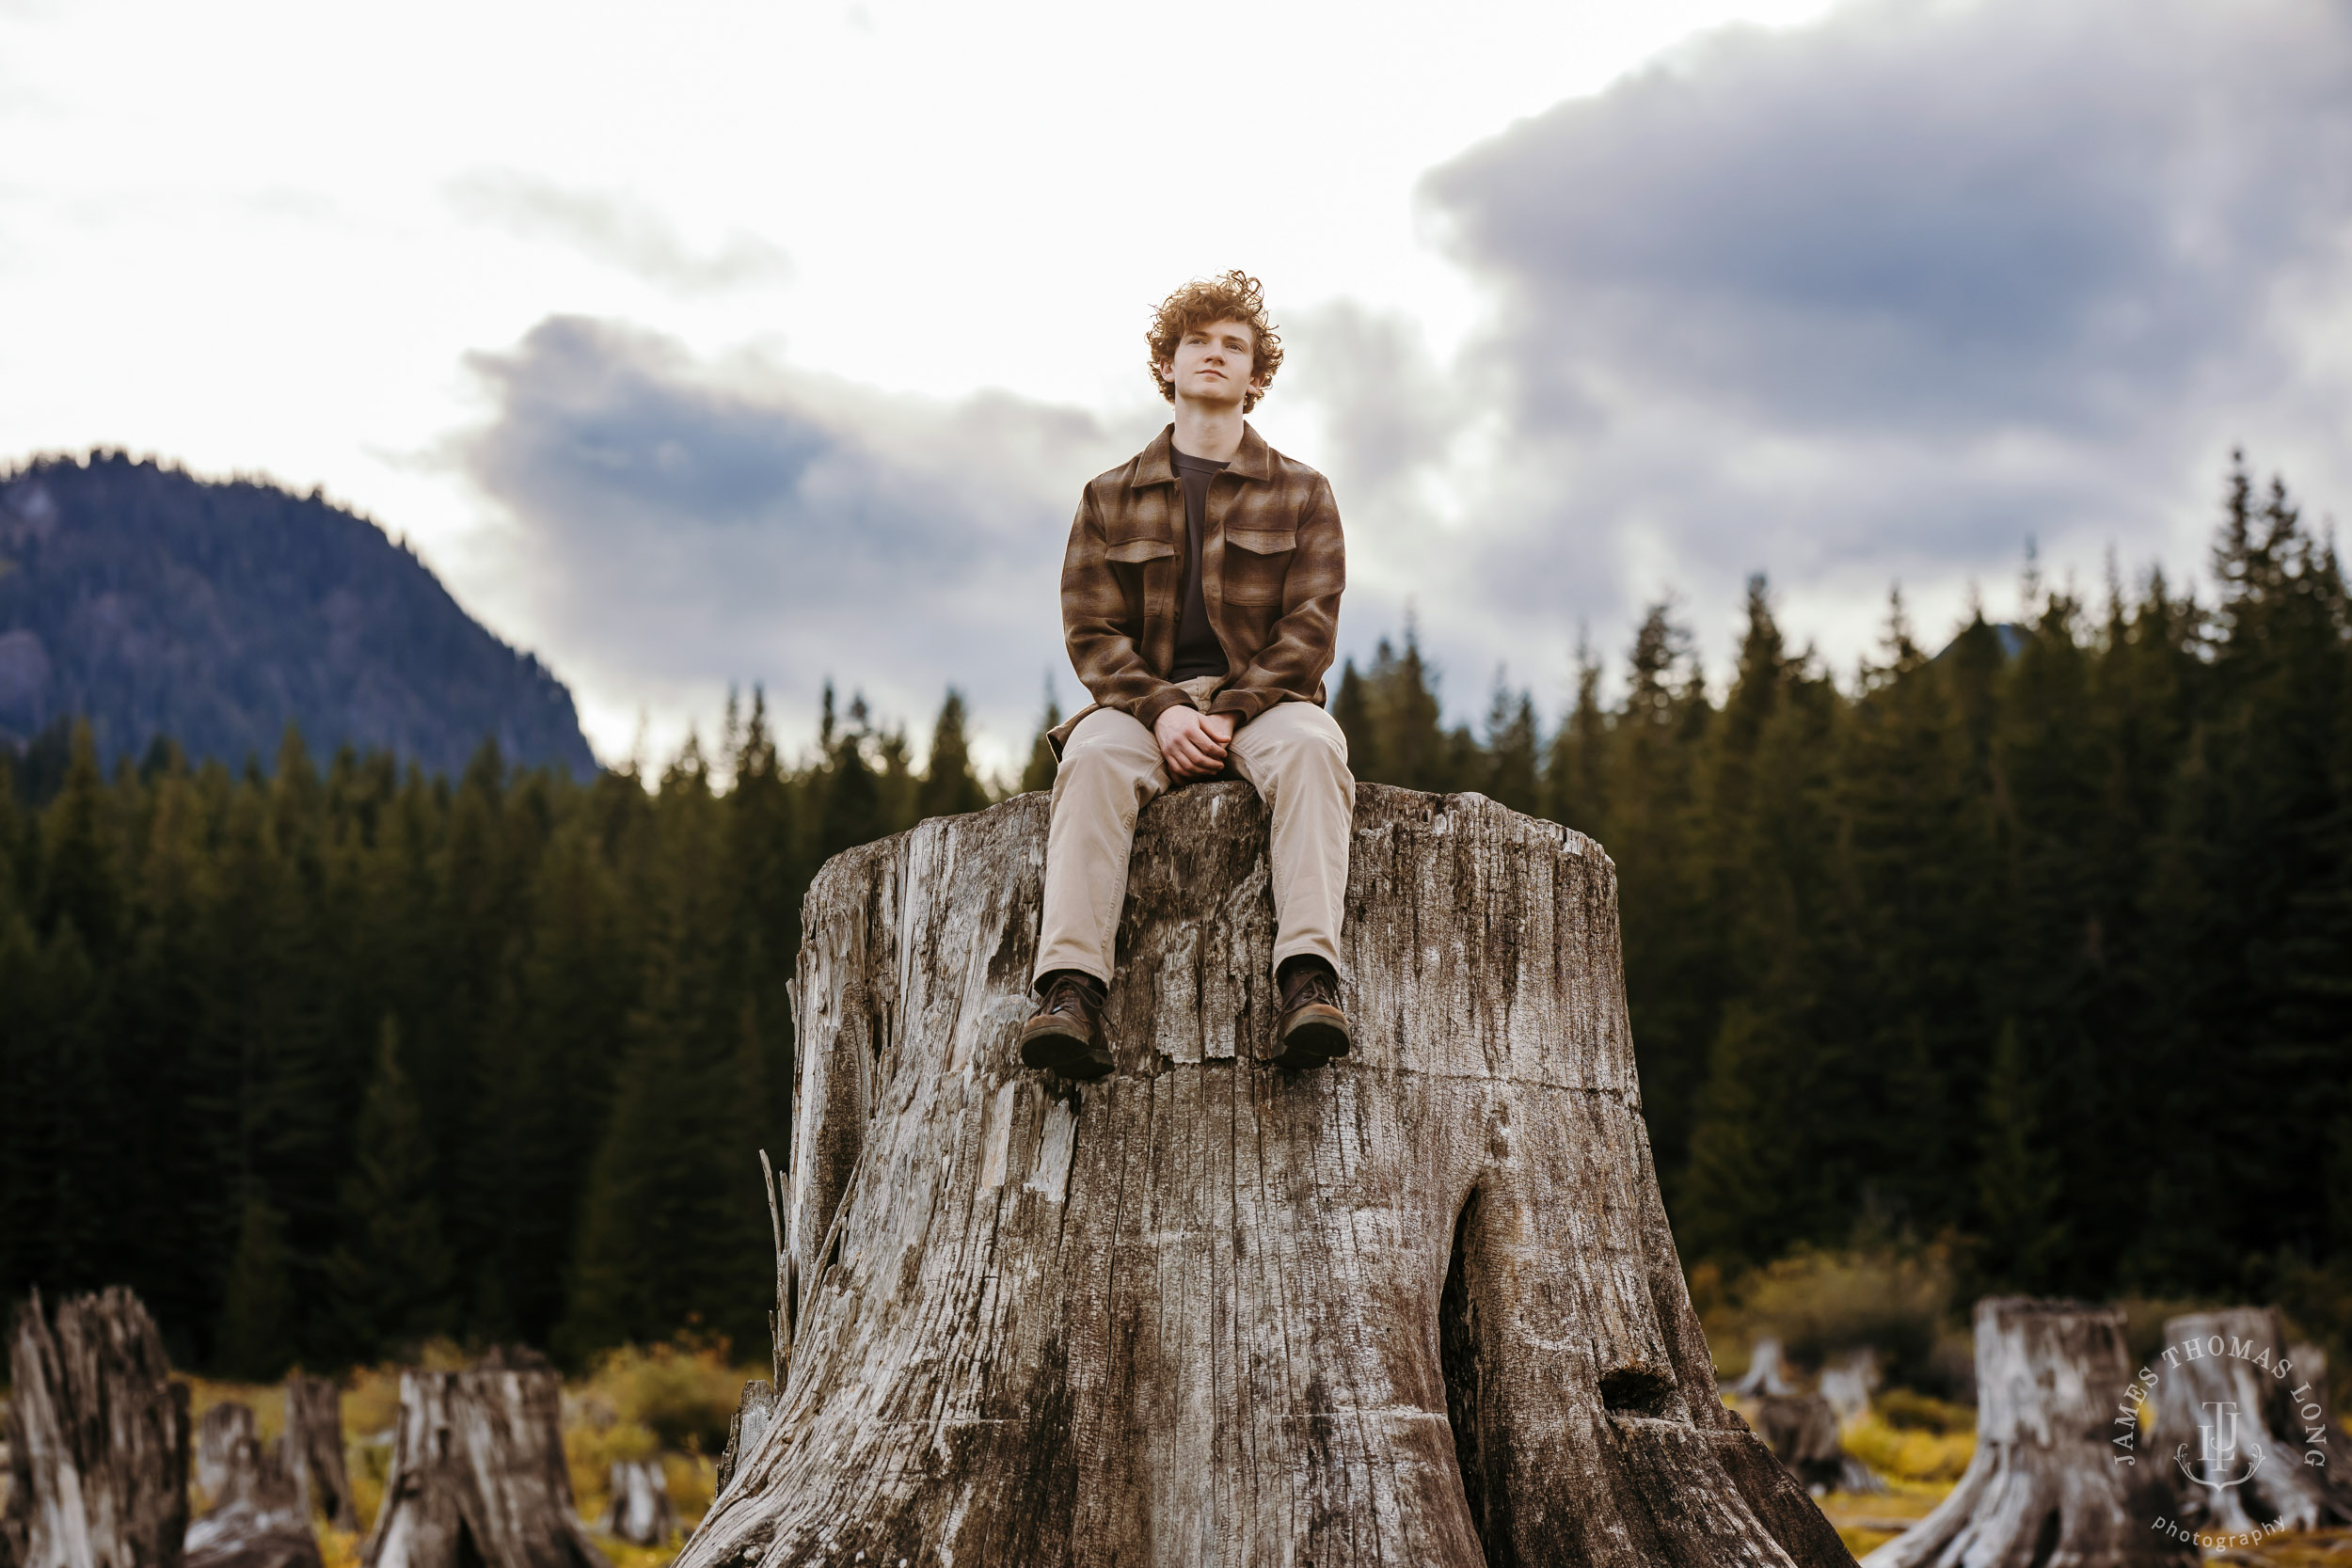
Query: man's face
1213, 362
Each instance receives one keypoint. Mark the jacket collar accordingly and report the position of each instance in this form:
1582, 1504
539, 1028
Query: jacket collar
1155, 464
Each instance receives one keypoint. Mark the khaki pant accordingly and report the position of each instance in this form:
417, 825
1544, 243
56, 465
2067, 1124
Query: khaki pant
1295, 755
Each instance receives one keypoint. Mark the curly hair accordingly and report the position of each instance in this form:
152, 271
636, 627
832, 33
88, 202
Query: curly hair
1235, 296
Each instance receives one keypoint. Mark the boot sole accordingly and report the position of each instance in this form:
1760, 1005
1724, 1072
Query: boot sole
1056, 1050
1313, 1039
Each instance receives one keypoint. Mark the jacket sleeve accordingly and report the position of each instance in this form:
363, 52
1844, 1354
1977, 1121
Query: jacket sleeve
1300, 649
1103, 627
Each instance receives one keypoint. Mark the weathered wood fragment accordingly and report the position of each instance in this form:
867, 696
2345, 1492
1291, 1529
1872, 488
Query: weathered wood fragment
1418, 1307
2232, 1431
478, 1476
315, 1449
748, 1425
256, 1518
2045, 1487
97, 1438
640, 1512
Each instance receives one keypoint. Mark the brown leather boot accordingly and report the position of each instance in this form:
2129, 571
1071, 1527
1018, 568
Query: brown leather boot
1065, 1033
1311, 1029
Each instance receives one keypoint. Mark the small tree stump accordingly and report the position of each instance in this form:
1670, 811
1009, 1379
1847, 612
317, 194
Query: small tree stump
1418, 1307
478, 1478
257, 1518
222, 1433
640, 1512
1802, 1432
97, 1438
1766, 1373
315, 1449
2045, 1487
2265, 1425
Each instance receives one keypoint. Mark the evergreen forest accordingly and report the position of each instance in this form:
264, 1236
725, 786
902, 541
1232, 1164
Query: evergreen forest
2036, 946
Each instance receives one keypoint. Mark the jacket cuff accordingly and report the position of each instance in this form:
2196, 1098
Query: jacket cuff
1147, 711
1242, 703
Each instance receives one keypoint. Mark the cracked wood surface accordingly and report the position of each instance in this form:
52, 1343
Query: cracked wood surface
1419, 1307
97, 1438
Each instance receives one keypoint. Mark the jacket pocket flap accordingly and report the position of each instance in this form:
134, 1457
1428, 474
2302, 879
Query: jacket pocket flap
1262, 541
1133, 551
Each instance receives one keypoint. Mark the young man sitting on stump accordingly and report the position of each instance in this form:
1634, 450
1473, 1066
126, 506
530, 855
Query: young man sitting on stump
1200, 597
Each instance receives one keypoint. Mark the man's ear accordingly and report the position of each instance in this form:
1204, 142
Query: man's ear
1167, 368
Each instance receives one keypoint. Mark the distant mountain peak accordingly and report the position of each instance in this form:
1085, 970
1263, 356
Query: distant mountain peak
216, 613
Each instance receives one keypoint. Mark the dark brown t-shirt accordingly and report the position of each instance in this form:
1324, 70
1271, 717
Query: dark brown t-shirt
1198, 651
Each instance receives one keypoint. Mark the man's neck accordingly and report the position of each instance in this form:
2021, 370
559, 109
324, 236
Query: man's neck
1210, 430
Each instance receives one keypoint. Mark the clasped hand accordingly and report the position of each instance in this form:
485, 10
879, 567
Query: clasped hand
1193, 743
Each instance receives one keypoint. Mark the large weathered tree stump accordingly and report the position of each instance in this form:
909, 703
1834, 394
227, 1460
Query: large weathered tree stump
315, 1449
478, 1478
1418, 1307
2246, 1444
257, 1518
2044, 1486
98, 1439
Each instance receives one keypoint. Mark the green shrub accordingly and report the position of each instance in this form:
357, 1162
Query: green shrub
1895, 1300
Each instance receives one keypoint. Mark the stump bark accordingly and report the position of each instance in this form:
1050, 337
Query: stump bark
1419, 1308
315, 1449
97, 1439
2232, 1436
478, 1478
257, 1518
2045, 1487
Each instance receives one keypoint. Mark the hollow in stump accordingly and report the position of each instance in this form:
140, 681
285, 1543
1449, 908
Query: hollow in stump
478, 1478
1419, 1306
97, 1438
2045, 1486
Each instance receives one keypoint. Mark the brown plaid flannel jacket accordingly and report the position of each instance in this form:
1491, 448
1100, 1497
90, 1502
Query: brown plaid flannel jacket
1272, 566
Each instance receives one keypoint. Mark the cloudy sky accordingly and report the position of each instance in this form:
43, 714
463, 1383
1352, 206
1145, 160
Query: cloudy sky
724, 342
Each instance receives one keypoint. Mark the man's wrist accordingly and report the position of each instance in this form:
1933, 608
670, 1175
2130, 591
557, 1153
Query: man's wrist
1149, 710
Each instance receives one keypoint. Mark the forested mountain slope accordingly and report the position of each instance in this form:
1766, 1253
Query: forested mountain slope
156, 603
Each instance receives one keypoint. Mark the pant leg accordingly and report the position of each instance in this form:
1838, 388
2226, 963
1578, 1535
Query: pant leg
1109, 771
1296, 756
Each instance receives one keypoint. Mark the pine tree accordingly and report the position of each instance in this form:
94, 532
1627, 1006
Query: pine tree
950, 785
1512, 750
1038, 772
254, 1341
391, 1278
2017, 1179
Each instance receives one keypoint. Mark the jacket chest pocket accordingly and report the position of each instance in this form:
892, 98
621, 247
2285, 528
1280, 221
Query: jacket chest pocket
1257, 562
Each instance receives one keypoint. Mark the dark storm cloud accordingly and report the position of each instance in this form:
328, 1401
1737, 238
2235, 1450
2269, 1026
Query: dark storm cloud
683, 522
1887, 296
1919, 215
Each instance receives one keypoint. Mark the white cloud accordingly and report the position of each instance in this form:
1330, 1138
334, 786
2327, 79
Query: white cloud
680, 524
616, 229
